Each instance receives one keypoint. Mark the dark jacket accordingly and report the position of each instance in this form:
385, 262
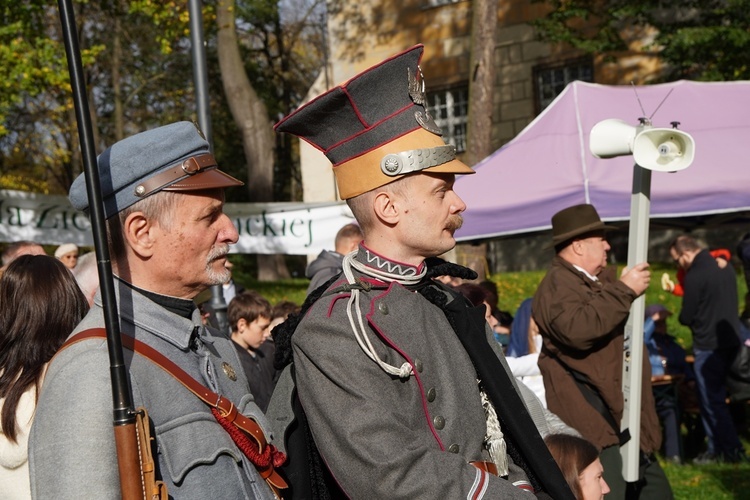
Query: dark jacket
325, 266
259, 370
709, 306
582, 325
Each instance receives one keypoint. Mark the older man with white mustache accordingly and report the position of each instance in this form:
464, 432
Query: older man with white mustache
168, 237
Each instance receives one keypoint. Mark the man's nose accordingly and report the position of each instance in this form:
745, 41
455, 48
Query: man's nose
228, 233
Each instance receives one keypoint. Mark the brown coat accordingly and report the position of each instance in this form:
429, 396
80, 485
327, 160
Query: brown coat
582, 325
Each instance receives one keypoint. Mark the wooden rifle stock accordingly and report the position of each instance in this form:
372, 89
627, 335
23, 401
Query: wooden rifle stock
135, 461
128, 462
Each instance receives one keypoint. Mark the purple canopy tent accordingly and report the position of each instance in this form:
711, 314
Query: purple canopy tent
548, 166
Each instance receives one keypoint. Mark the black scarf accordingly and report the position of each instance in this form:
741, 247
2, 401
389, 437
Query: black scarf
524, 444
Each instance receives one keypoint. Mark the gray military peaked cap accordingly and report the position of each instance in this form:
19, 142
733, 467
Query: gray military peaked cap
174, 157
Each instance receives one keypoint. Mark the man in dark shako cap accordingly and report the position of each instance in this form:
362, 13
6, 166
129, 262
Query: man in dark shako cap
387, 360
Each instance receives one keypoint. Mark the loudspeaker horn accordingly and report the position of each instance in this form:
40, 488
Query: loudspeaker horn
664, 149
660, 149
610, 138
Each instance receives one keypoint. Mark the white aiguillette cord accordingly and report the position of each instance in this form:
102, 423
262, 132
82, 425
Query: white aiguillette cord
358, 326
494, 439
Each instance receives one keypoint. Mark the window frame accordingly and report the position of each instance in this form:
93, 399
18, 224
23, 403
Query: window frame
450, 122
565, 65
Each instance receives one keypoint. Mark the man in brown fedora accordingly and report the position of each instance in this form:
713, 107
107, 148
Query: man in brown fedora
581, 309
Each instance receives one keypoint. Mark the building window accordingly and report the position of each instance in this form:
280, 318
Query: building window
550, 80
450, 109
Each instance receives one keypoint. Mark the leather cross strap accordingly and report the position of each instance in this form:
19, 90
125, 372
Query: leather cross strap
225, 407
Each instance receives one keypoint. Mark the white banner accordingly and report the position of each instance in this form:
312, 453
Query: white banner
265, 228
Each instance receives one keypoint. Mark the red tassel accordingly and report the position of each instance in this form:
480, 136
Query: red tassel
270, 456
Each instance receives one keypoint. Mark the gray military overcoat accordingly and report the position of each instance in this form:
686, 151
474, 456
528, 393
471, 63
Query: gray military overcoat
71, 447
381, 436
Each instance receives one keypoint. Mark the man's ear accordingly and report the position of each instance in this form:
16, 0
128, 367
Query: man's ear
241, 325
139, 234
577, 247
385, 207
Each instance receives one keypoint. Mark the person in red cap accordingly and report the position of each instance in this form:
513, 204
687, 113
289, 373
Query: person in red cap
581, 308
387, 359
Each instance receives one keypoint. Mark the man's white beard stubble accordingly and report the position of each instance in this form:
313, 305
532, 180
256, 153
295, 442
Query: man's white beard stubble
217, 277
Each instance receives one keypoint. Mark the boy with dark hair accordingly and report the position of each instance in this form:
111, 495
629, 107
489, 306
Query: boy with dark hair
279, 313
249, 315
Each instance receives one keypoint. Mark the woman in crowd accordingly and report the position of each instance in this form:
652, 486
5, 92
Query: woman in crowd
578, 460
523, 351
40, 304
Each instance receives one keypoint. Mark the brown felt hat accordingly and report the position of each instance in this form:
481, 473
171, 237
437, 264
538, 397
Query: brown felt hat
375, 128
576, 221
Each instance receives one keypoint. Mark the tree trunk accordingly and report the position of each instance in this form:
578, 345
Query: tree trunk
481, 84
250, 115
116, 87
481, 80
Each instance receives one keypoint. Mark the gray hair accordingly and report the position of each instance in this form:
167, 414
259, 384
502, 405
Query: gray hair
157, 207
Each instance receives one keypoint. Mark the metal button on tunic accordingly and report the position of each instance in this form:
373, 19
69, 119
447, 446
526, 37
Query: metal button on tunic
418, 365
454, 448
431, 393
383, 307
439, 422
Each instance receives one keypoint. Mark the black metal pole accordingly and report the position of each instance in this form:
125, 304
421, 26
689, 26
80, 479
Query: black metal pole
202, 101
124, 417
121, 398
200, 72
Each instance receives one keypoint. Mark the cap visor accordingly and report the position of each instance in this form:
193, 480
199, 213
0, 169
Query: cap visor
207, 179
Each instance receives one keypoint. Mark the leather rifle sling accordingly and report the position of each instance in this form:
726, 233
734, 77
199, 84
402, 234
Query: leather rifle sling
213, 400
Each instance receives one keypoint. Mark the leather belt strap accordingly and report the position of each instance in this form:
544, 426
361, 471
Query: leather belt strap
191, 166
226, 407
485, 466
223, 405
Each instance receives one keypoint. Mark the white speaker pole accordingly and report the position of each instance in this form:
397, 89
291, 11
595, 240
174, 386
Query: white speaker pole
663, 150
640, 206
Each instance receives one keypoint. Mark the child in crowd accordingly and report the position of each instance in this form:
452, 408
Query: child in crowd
578, 460
249, 315
279, 313
672, 378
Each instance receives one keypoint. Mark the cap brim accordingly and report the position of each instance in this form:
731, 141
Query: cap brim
363, 173
591, 228
207, 179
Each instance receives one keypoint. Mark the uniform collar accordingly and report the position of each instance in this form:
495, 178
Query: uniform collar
136, 308
384, 264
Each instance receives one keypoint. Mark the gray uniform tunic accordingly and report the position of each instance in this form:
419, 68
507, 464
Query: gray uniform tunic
71, 448
381, 436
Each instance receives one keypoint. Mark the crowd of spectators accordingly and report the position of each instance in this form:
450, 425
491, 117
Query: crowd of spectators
49, 296
399, 376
